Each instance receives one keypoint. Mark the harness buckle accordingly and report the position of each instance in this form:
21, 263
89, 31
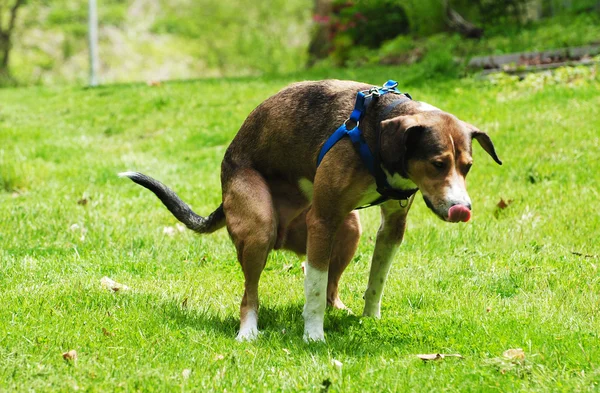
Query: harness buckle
374, 92
351, 121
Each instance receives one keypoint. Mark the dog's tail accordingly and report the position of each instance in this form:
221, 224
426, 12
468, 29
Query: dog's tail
177, 207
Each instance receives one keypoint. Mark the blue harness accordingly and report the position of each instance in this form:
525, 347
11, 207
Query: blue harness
372, 161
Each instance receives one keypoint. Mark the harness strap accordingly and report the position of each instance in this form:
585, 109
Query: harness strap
371, 161
363, 100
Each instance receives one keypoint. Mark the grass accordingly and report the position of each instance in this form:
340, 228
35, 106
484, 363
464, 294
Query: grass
160, 39
508, 279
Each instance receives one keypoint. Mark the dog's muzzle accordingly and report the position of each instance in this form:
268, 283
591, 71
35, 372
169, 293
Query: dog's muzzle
456, 213
459, 213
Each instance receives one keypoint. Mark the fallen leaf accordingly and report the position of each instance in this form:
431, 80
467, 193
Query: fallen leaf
112, 285
153, 83
438, 356
503, 204
514, 354
82, 201
288, 267
71, 355
186, 373
184, 303
106, 332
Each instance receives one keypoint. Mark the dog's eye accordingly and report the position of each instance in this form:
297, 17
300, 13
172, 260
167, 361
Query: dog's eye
439, 164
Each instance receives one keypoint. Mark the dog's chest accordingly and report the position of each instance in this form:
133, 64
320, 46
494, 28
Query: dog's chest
368, 196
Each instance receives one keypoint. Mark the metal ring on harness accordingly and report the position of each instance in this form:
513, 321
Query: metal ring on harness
355, 122
370, 159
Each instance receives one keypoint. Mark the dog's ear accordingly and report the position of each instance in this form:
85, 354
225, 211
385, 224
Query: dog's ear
484, 140
393, 140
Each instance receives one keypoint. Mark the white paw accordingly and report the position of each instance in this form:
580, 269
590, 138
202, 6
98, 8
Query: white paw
314, 336
373, 312
247, 335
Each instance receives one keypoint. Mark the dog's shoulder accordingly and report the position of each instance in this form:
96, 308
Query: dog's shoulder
322, 86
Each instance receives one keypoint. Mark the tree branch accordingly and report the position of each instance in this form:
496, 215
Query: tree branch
13, 16
459, 24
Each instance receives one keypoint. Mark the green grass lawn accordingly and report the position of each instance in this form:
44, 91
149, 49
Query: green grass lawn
510, 278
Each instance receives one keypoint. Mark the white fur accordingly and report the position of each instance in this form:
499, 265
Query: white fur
370, 195
380, 268
315, 292
399, 182
248, 327
127, 174
456, 193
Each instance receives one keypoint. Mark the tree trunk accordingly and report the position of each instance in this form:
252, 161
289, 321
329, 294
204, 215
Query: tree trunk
320, 41
6, 37
459, 24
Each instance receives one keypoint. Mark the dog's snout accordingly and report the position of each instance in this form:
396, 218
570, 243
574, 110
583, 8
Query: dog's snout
459, 213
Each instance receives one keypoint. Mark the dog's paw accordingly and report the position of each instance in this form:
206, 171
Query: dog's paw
337, 304
372, 311
247, 335
314, 336
376, 314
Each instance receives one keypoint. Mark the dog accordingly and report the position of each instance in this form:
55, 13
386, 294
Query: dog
275, 196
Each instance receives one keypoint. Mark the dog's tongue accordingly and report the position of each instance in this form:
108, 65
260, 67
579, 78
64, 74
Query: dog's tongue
459, 213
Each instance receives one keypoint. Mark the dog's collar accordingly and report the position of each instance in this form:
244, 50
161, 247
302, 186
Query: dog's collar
371, 161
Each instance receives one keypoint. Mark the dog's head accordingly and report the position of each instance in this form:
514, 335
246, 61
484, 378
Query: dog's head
433, 149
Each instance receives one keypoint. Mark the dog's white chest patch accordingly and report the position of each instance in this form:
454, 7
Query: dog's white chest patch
398, 182
370, 195
306, 186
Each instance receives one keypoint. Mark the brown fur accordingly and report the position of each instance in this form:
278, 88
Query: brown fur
275, 196
278, 145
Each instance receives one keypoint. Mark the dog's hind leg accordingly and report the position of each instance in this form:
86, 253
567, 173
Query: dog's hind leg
252, 224
346, 242
389, 238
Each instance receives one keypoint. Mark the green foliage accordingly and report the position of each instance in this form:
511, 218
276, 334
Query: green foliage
264, 40
563, 76
173, 39
447, 54
523, 276
494, 12
426, 17
369, 23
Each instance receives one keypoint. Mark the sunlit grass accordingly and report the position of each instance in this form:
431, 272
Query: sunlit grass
521, 277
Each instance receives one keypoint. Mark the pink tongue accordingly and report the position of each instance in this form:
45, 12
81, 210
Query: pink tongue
459, 213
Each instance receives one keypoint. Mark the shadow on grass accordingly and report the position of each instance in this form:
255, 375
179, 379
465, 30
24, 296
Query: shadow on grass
282, 325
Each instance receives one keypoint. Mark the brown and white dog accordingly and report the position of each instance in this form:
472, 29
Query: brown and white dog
275, 197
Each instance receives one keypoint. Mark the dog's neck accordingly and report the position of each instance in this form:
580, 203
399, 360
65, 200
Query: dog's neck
397, 181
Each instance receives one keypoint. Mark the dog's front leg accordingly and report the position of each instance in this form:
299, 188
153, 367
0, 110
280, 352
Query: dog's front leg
321, 235
389, 238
